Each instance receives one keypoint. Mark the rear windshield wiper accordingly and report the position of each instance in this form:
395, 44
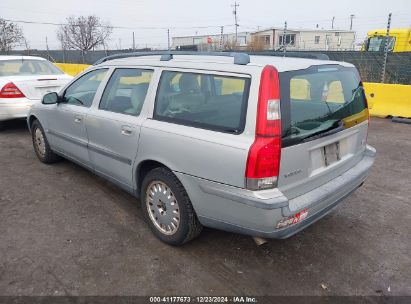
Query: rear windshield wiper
337, 126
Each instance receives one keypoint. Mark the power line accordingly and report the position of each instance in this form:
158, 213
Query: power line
122, 27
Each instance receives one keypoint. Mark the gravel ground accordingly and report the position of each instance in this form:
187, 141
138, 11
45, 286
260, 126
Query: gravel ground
65, 231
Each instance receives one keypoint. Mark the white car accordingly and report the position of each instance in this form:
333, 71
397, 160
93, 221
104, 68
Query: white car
23, 82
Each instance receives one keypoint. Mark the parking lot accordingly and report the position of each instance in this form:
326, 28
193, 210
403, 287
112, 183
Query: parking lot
65, 231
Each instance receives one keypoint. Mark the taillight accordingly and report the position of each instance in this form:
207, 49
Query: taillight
11, 91
263, 163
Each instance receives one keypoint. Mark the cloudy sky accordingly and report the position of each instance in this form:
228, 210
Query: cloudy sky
150, 18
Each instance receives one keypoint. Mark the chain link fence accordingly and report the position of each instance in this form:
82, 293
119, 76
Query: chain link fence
369, 64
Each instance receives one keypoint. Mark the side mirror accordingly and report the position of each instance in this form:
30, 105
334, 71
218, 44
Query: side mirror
50, 98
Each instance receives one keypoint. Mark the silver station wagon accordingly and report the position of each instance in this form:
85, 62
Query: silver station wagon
257, 145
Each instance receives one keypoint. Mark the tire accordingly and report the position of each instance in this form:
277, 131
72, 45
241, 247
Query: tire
163, 200
41, 145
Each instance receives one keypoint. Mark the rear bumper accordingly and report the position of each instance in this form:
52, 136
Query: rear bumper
15, 108
257, 213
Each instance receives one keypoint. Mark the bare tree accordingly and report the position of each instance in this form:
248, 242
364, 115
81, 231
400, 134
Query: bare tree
84, 33
256, 44
11, 35
230, 45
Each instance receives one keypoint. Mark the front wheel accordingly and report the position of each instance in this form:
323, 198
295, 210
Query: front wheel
41, 145
167, 208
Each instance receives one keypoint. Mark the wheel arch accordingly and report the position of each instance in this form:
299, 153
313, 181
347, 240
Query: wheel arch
143, 168
30, 121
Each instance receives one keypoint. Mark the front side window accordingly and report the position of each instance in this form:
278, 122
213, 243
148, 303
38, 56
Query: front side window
318, 99
317, 39
82, 91
203, 100
126, 91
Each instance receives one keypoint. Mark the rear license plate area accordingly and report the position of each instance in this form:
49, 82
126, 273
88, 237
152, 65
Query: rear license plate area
331, 153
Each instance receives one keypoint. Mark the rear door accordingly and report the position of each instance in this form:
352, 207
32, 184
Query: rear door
324, 123
67, 123
114, 124
197, 126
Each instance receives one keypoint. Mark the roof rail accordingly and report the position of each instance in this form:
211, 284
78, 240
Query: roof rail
239, 58
308, 55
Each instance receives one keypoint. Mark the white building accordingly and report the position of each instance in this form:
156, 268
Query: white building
211, 42
305, 39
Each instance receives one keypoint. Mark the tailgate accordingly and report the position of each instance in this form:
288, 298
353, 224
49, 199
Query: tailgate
324, 119
309, 165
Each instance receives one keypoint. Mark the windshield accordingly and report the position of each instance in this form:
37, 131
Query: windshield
20, 67
377, 44
318, 100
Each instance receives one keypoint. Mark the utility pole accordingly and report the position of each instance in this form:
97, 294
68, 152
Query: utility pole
221, 39
47, 48
284, 40
27, 46
236, 21
387, 39
168, 39
351, 18
332, 23
64, 51
134, 43
105, 49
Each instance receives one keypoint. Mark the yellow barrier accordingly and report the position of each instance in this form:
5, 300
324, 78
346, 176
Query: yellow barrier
72, 68
388, 99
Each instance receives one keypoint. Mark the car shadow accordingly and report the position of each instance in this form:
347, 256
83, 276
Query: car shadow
13, 125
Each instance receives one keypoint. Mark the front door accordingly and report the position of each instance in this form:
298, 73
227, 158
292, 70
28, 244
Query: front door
67, 124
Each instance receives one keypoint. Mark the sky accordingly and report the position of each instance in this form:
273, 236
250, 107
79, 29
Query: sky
149, 19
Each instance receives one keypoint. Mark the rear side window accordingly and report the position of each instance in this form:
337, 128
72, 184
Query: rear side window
318, 99
206, 101
126, 91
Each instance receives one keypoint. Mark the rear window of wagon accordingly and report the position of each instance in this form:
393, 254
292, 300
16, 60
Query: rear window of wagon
317, 99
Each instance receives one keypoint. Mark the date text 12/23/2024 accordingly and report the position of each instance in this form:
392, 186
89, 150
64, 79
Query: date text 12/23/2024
203, 299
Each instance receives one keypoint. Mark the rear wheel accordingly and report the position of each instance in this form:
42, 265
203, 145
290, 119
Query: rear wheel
167, 208
41, 145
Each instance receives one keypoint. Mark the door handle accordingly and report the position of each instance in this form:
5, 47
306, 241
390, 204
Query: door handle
78, 119
127, 131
